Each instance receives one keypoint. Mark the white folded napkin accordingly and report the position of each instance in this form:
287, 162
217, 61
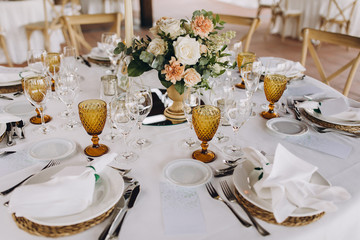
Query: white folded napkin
99, 51
283, 66
9, 77
337, 108
7, 117
287, 183
67, 192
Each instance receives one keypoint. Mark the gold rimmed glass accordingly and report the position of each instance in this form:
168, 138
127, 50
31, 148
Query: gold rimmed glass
206, 120
274, 87
37, 89
244, 58
92, 114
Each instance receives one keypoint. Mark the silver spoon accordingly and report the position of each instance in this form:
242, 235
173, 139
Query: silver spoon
231, 162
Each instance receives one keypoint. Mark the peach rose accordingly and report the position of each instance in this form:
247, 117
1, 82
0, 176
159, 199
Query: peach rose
191, 77
202, 26
173, 71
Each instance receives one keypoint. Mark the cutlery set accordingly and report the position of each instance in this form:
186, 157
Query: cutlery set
292, 106
231, 197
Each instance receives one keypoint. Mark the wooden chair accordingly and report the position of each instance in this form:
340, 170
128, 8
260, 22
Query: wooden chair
338, 13
310, 35
73, 24
281, 9
51, 23
253, 23
264, 5
4, 47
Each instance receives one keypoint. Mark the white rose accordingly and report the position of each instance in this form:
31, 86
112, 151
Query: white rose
171, 26
157, 46
187, 50
217, 68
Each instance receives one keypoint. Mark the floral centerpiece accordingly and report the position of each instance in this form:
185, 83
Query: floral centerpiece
185, 53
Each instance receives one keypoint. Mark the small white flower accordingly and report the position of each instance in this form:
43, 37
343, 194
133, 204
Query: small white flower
187, 50
157, 46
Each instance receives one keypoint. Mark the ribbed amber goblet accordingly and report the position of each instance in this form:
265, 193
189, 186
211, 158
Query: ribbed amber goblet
244, 58
92, 114
206, 119
274, 87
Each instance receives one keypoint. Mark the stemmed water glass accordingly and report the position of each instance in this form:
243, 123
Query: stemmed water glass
52, 64
67, 88
93, 114
238, 113
124, 112
206, 119
37, 89
190, 101
36, 60
243, 59
144, 100
274, 87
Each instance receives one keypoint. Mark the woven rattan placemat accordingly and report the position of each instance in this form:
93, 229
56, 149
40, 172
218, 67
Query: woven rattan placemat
269, 216
351, 129
11, 89
58, 231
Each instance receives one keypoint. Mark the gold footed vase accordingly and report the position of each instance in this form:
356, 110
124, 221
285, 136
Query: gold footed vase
175, 112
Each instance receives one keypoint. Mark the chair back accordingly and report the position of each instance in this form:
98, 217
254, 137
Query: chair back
340, 10
253, 24
73, 26
53, 12
310, 35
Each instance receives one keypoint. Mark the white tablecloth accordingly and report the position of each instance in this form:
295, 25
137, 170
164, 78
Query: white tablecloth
96, 6
145, 221
311, 12
13, 16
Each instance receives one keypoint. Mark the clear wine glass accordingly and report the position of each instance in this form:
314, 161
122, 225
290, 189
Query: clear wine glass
36, 60
124, 112
144, 99
37, 89
69, 60
238, 113
251, 73
67, 89
109, 43
190, 101
108, 91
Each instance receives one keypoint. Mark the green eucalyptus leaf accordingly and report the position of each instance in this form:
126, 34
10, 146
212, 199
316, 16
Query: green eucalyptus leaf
180, 87
137, 68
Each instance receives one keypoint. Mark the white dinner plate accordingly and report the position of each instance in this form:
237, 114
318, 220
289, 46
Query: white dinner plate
287, 127
108, 190
337, 121
187, 172
20, 108
52, 149
245, 177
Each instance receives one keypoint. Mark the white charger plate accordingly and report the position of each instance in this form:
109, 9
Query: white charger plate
287, 127
187, 172
108, 190
245, 177
20, 108
53, 148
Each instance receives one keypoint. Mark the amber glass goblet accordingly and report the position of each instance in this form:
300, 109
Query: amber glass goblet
244, 58
274, 87
206, 119
92, 114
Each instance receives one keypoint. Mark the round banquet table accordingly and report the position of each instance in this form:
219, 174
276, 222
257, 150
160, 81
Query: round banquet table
145, 220
311, 12
13, 16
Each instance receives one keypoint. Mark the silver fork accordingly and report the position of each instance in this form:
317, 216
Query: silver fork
213, 193
50, 164
231, 197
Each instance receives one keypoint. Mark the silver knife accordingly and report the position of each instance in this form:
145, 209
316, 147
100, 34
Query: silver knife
6, 97
122, 214
118, 207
